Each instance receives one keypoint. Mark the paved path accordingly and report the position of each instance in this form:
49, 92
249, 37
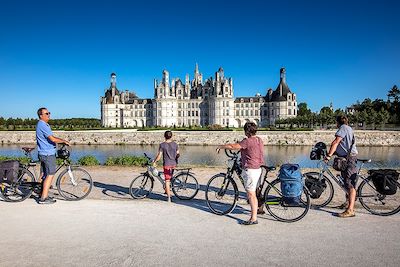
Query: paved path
154, 233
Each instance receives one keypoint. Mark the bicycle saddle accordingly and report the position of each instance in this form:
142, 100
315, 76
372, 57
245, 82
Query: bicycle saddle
28, 149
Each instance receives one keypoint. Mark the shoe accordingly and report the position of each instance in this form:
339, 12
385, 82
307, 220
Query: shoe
249, 222
346, 214
260, 212
47, 201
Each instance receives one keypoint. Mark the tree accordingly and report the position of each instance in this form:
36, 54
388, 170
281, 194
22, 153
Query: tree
303, 110
382, 117
394, 94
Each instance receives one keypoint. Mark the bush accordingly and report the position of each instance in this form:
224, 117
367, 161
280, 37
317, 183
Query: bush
88, 161
24, 160
125, 161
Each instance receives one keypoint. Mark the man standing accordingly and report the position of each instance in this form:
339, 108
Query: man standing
252, 157
344, 146
46, 144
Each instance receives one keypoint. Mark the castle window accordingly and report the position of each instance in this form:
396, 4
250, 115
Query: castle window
265, 112
237, 105
247, 113
256, 113
197, 105
289, 103
179, 113
290, 111
188, 112
192, 105
289, 97
237, 112
251, 113
197, 113
294, 112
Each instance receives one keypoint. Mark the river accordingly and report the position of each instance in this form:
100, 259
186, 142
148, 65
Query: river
383, 157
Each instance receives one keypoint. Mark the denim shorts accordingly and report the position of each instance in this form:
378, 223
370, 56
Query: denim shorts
48, 165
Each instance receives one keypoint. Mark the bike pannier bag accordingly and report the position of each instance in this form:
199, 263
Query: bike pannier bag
385, 180
291, 183
315, 186
340, 163
9, 171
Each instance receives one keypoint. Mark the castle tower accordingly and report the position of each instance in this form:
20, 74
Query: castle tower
113, 81
166, 83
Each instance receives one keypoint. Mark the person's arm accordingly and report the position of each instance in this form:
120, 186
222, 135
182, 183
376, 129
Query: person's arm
234, 146
58, 140
158, 157
333, 147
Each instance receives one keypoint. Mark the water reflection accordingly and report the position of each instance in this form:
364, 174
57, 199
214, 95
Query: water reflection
383, 157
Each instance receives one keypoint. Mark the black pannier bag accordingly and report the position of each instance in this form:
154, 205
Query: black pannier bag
9, 171
315, 186
318, 152
385, 180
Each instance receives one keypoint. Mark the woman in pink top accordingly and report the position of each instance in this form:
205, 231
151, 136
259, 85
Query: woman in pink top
252, 156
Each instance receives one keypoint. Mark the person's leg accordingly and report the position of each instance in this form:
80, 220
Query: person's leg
350, 179
251, 195
46, 186
49, 163
251, 177
168, 175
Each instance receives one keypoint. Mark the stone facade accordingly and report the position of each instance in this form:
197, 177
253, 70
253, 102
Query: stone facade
196, 103
133, 137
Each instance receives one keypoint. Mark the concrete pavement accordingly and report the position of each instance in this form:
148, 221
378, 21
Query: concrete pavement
154, 233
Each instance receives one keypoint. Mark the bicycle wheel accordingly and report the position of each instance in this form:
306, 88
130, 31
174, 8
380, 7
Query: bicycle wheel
185, 186
74, 183
285, 213
221, 194
141, 186
376, 203
20, 190
327, 195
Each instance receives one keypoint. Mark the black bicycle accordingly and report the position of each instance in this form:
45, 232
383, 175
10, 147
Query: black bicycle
222, 193
184, 184
73, 183
367, 193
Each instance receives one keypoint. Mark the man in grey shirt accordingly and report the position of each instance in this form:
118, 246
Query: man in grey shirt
344, 146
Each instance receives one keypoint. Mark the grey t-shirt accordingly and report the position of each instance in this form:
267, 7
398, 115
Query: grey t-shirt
169, 150
346, 133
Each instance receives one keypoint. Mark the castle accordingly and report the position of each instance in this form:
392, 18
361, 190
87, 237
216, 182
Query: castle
196, 103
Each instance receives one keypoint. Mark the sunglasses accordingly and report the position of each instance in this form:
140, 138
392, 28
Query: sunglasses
47, 113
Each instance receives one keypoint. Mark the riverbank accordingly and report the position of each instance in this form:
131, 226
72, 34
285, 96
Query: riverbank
133, 137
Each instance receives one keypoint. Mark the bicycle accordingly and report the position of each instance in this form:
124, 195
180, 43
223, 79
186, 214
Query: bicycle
222, 193
183, 183
73, 183
366, 192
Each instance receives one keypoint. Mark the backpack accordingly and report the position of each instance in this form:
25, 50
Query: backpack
9, 171
385, 180
315, 186
291, 183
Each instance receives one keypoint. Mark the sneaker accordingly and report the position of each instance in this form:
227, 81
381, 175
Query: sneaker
346, 214
48, 200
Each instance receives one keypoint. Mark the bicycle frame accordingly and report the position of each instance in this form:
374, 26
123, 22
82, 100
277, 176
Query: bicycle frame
325, 169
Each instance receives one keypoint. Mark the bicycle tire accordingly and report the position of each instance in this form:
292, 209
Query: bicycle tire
219, 191
77, 189
180, 184
139, 183
377, 199
328, 192
19, 191
274, 202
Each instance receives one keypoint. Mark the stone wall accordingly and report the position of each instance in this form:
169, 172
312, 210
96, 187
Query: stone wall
363, 138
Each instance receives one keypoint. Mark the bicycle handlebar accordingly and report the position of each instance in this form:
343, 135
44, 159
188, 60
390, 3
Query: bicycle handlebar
231, 154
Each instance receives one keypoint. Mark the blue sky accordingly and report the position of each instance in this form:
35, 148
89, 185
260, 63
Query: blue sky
59, 54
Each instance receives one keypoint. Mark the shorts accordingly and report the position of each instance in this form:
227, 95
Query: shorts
168, 172
251, 178
48, 165
350, 173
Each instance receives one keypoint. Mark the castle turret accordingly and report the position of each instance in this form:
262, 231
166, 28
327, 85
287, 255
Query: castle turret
113, 85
